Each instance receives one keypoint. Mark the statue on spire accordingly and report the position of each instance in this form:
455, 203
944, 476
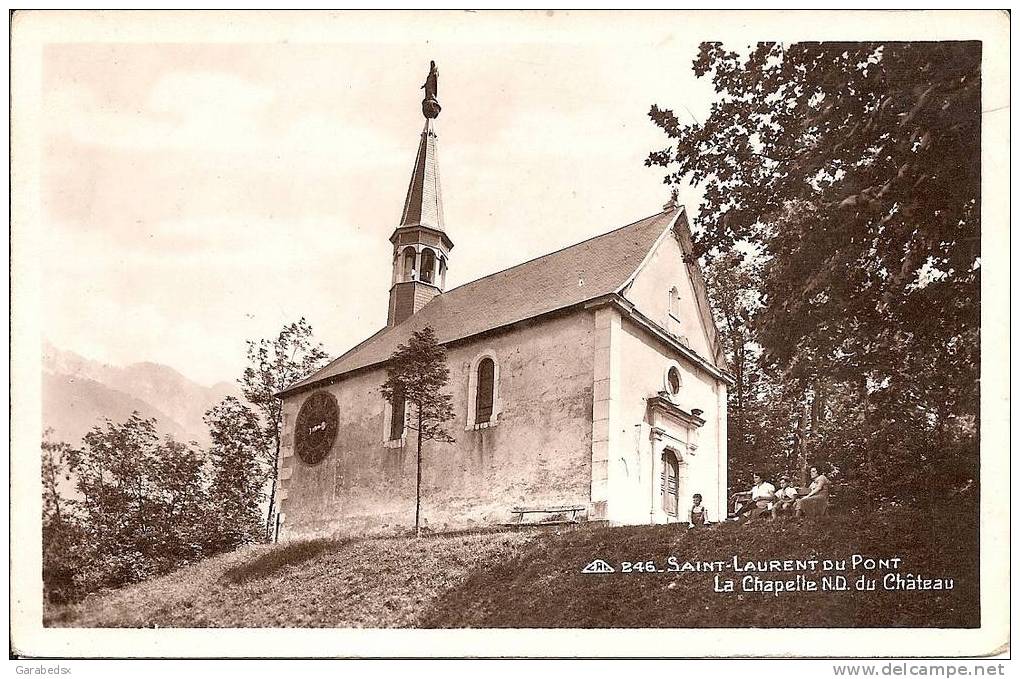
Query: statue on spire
430, 107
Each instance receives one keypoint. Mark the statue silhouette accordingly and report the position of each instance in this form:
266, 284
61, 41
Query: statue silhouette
430, 107
431, 85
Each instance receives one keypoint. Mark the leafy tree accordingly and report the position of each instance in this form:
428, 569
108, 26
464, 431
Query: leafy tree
763, 415
416, 375
144, 503
238, 457
735, 299
851, 171
273, 365
60, 533
856, 168
55, 468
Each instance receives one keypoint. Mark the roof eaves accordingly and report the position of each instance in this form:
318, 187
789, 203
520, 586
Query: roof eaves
632, 312
305, 381
328, 379
701, 296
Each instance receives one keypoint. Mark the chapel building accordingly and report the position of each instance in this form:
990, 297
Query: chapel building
592, 377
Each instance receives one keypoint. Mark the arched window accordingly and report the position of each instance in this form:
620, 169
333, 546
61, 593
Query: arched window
397, 417
484, 395
442, 271
409, 256
428, 265
483, 402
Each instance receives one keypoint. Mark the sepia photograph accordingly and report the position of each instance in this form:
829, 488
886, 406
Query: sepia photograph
686, 326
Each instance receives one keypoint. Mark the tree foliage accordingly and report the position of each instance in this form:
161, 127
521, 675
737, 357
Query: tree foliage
239, 458
851, 174
61, 537
140, 508
142, 505
273, 365
416, 375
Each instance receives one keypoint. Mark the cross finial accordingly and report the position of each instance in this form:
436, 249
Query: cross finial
673, 202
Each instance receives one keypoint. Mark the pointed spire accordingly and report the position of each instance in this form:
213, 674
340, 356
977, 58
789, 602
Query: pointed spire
421, 248
424, 203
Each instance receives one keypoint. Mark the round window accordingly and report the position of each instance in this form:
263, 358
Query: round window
673, 381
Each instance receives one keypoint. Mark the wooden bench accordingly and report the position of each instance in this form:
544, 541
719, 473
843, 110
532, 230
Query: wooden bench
517, 514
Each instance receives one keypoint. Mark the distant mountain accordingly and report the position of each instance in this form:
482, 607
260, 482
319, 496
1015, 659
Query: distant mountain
78, 393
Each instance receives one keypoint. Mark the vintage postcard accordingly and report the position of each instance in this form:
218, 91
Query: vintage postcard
518, 333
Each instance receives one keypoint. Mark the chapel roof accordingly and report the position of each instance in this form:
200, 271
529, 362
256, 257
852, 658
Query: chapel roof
573, 275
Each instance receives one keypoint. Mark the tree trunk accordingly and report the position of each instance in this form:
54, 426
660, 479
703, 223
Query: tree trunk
738, 355
50, 483
417, 494
934, 464
869, 475
270, 533
269, 513
817, 405
802, 443
815, 416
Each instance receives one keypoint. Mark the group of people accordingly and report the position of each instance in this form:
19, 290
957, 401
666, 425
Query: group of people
764, 498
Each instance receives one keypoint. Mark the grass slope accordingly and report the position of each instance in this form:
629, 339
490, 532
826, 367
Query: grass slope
320, 583
533, 579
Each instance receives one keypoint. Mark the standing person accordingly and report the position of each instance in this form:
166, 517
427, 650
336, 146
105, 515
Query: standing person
762, 493
698, 515
817, 500
786, 496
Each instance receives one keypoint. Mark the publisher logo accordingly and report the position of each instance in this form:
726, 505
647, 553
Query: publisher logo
598, 566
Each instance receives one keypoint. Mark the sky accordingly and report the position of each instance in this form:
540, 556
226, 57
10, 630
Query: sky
198, 193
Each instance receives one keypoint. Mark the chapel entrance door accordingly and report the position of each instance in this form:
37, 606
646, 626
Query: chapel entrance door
670, 483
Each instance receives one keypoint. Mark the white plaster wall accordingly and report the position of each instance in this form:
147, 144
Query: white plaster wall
635, 490
649, 293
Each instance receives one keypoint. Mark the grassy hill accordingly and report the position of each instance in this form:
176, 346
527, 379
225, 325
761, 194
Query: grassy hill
532, 578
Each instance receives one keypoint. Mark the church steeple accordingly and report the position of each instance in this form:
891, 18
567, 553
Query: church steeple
424, 203
421, 248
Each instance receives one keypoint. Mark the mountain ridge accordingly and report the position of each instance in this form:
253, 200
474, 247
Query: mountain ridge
78, 393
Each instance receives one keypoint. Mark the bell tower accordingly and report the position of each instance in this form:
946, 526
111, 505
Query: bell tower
421, 248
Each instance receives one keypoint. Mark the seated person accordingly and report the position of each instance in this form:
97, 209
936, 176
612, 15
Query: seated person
786, 496
698, 515
762, 494
816, 501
